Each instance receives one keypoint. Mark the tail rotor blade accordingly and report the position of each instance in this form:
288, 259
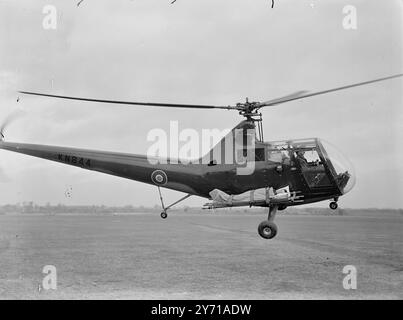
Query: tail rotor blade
9, 119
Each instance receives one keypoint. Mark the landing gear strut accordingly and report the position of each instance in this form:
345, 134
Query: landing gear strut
267, 229
164, 213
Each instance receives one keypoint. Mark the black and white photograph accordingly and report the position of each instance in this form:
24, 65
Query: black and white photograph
200, 150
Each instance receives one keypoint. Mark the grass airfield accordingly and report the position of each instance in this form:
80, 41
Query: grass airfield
201, 256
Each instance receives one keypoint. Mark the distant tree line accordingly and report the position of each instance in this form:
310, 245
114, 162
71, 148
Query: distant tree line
32, 208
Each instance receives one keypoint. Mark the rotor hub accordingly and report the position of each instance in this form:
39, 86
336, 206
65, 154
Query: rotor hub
248, 108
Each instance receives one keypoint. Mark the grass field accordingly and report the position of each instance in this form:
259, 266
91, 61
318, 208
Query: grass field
200, 256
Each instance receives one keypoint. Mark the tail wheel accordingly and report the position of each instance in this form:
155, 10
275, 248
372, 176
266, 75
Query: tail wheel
267, 229
164, 215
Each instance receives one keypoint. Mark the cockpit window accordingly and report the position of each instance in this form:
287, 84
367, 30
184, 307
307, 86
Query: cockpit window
312, 168
339, 165
275, 156
308, 157
251, 155
321, 164
278, 156
259, 154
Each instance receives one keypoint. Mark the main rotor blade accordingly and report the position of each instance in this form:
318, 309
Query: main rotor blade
288, 97
154, 104
299, 95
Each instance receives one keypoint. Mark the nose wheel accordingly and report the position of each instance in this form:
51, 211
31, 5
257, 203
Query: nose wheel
268, 229
333, 205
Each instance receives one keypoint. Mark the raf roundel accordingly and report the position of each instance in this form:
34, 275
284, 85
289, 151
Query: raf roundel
159, 177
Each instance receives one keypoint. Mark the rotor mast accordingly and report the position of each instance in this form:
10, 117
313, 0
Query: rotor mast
250, 111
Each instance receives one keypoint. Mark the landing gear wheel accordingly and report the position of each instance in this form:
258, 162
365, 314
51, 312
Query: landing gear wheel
333, 205
164, 215
267, 229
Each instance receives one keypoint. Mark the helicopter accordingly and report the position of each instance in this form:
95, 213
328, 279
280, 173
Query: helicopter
269, 174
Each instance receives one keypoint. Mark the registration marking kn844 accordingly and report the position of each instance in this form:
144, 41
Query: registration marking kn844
74, 160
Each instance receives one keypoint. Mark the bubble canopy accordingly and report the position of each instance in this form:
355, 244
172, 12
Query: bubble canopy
321, 163
341, 168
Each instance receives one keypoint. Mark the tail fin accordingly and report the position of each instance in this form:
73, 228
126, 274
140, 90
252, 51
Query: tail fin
224, 152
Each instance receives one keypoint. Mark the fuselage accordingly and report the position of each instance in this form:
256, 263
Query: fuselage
274, 164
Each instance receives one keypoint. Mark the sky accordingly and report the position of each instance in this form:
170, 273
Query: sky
202, 52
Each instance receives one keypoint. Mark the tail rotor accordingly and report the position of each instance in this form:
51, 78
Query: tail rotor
7, 121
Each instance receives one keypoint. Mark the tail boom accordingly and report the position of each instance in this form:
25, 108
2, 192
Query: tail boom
129, 166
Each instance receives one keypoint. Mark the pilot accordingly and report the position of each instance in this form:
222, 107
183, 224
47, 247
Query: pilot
300, 157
